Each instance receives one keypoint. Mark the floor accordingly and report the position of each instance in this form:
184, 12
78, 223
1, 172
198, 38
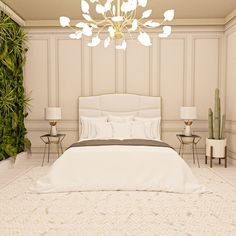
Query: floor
22, 167
117, 213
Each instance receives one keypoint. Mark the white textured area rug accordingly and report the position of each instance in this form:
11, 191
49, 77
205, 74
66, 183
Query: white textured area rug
118, 213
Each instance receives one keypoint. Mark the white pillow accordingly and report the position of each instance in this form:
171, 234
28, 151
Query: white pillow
121, 130
86, 126
103, 130
112, 118
138, 130
152, 126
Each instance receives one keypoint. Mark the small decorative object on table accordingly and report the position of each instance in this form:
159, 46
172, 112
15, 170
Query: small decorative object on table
49, 139
216, 147
188, 114
53, 114
189, 140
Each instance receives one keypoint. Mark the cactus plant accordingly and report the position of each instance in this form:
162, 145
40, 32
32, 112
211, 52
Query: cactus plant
210, 124
222, 134
216, 127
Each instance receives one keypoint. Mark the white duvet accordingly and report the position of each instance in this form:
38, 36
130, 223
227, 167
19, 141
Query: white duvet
119, 168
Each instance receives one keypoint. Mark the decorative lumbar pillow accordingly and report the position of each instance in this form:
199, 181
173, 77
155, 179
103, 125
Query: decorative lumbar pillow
121, 130
87, 129
138, 130
103, 130
152, 126
112, 118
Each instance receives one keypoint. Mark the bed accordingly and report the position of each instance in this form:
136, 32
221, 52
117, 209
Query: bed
125, 158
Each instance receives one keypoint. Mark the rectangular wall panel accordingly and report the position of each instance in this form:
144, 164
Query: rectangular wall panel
69, 76
37, 77
103, 69
206, 73
231, 77
137, 68
172, 77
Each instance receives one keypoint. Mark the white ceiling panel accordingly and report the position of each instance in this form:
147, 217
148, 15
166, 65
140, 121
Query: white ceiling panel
185, 9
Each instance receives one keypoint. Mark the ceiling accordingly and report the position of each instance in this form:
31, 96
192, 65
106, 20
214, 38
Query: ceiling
30, 10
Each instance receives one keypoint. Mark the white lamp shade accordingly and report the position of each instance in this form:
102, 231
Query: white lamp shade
53, 113
188, 113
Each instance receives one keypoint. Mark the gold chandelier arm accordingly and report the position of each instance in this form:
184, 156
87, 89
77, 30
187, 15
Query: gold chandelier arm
128, 19
129, 33
148, 27
74, 29
102, 22
101, 29
118, 7
126, 23
111, 13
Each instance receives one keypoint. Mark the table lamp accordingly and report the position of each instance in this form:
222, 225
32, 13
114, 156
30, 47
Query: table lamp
188, 114
53, 114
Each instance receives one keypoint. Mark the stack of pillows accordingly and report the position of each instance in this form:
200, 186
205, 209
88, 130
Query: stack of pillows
119, 127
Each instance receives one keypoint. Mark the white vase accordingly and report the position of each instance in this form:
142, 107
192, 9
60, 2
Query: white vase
187, 130
218, 147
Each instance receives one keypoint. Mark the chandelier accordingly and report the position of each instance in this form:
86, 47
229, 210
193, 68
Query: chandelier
119, 20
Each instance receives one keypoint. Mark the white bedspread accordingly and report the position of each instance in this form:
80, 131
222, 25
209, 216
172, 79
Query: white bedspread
119, 168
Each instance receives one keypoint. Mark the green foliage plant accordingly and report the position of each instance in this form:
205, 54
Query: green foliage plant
13, 100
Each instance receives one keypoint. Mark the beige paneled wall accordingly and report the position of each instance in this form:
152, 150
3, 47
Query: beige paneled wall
184, 69
230, 65
172, 77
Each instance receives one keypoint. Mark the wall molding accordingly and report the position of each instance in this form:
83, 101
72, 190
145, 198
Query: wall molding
230, 29
224, 21
12, 14
175, 22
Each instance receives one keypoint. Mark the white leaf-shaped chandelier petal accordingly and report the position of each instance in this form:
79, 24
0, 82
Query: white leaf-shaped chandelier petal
64, 21
95, 42
84, 6
87, 30
167, 30
100, 9
80, 25
144, 39
169, 15
76, 35
119, 20
107, 42
142, 3
111, 31
134, 25
152, 24
122, 46
147, 13
87, 17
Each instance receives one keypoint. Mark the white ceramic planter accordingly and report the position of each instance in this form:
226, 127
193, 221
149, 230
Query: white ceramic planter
218, 147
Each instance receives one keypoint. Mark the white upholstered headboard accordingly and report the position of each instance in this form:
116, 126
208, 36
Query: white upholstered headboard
120, 104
